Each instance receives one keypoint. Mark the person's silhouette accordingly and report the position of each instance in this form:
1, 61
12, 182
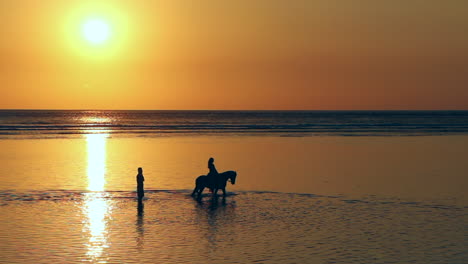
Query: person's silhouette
140, 188
212, 174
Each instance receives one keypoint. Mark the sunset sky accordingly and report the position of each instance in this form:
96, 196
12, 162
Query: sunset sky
243, 54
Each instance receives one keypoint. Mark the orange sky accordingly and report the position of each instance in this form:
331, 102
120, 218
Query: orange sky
243, 54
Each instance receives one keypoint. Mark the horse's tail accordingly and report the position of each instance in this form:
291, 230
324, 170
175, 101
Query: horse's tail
199, 179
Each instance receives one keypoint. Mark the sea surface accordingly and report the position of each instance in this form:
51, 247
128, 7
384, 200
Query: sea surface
311, 187
42, 124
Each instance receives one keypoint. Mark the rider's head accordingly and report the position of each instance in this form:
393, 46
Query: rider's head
211, 160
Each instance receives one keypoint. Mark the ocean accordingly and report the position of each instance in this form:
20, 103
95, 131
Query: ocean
32, 123
311, 187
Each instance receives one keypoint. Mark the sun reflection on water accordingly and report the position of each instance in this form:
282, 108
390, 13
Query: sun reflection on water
96, 207
96, 148
95, 119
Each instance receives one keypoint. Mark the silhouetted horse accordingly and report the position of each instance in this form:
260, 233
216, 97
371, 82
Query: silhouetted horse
202, 182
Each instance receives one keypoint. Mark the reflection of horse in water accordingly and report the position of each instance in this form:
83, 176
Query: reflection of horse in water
203, 182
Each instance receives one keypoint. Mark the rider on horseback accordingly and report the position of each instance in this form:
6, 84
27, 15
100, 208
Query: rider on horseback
212, 174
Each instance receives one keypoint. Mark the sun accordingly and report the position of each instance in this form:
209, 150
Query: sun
96, 31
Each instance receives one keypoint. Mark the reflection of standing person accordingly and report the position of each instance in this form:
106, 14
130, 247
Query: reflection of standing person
140, 179
212, 174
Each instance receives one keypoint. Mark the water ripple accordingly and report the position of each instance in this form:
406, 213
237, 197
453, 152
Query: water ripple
245, 227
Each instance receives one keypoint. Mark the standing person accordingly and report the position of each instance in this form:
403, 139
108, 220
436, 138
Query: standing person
212, 174
140, 179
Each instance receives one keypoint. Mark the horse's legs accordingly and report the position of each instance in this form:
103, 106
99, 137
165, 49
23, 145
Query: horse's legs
215, 192
200, 190
224, 192
194, 191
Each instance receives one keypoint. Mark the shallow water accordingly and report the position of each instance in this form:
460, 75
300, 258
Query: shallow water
245, 227
296, 200
407, 167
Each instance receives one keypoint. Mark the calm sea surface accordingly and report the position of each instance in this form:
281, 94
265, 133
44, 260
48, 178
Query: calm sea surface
279, 123
312, 187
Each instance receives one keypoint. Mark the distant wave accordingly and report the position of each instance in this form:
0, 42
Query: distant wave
282, 123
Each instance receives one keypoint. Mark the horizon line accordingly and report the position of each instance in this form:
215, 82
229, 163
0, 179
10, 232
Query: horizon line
226, 110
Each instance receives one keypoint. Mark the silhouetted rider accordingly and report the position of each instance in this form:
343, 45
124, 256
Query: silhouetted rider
212, 174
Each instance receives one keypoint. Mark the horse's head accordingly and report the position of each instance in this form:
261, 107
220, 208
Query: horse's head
232, 176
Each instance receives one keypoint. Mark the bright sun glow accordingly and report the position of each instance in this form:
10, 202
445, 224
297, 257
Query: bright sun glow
96, 31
